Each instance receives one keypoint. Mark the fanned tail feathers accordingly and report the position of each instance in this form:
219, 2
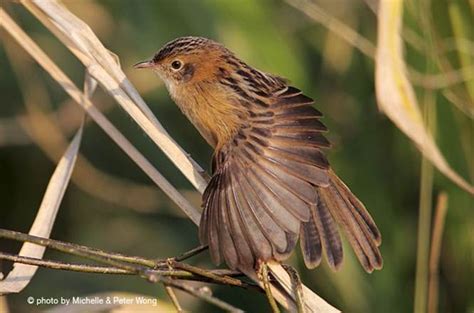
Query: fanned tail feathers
336, 203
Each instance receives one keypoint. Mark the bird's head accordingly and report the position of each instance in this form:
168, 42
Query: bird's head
197, 73
185, 61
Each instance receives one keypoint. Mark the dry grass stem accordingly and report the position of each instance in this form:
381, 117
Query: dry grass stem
4, 304
96, 115
80, 39
442, 80
67, 116
462, 104
435, 251
22, 274
395, 94
316, 13
423, 238
43, 129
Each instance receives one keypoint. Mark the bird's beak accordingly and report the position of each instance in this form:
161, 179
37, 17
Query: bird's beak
144, 64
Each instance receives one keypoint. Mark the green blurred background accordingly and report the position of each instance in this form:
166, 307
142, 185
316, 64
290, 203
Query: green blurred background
112, 205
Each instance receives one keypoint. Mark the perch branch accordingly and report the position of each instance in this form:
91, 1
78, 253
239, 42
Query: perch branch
78, 250
157, 266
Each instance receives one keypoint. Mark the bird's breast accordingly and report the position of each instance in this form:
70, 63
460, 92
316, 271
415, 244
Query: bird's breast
216, 116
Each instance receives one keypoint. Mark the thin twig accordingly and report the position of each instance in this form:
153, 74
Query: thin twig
228, 272
204, 273
174, 299
153, 276
146, 267
201, 294
100, 269
78, 250
85, 268
436, 241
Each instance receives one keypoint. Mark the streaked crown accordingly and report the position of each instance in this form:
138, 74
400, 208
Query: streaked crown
184, 45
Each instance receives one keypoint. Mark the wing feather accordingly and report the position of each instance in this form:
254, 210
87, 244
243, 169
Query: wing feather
329, 234
292, 239
310, 244
299, 111
285, 195
302, 188
271, 202
208, 233
260, 244
304, 171
360, 210
308, 172
303, 154
227, 247
300, 138
358, 233
260, 212
301, 124
238, 230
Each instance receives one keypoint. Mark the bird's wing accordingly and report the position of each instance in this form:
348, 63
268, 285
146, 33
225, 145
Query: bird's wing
263, 182
269, 186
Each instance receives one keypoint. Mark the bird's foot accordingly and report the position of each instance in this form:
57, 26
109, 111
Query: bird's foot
263, 276
190, 253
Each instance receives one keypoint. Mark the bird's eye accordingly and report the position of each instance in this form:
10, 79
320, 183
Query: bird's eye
176, 65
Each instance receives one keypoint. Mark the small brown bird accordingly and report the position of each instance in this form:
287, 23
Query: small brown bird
271, 182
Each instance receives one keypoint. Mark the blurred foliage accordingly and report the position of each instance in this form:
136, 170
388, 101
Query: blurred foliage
379, 163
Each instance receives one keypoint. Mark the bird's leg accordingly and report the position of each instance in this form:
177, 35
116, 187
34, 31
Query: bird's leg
198, 168
190, 253
297, 286
262, 272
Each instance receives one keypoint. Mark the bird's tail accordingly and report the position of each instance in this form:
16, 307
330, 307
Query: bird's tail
337, 206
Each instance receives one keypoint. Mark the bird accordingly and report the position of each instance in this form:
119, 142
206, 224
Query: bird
271, 184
